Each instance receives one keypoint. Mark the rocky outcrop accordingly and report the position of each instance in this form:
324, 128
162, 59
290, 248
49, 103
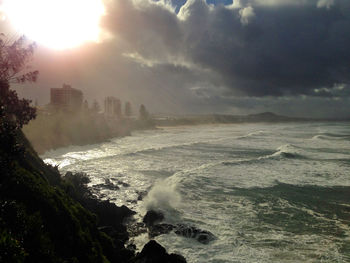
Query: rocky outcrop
160, 229
110, 217
107, 185
153, 252
152, 221
152, 217
200, 235
47, 218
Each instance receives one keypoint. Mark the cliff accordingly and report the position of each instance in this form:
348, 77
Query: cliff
44, 218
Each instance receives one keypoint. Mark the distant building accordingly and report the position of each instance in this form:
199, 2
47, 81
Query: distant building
112, 107
128, 109
66, 98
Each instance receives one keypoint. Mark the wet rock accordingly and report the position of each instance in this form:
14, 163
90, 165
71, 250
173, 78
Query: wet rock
120, 182
152, 217
107, 185
102, 196
153, 252
110, 215
136, 229
123, 184
200, 235
141, 195
131, 247
160, 229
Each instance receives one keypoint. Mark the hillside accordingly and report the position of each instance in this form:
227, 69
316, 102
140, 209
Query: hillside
43, 218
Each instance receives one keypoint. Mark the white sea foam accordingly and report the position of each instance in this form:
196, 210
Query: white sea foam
251, 134
230, 180
286, 150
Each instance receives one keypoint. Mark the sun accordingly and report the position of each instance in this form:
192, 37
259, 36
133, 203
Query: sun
57, 24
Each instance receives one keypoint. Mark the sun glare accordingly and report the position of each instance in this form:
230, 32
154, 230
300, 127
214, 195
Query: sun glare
58, 24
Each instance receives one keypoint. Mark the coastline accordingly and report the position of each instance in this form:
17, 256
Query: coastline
62, 130
75, 226
279, 151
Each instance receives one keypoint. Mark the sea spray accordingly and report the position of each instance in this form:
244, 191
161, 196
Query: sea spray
276, 196
162, 196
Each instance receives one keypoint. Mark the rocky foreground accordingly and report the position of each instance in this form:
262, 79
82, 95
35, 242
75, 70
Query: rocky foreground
47, 218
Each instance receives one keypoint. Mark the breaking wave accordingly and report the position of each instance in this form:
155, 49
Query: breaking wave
286, 151
251, 134
331, 137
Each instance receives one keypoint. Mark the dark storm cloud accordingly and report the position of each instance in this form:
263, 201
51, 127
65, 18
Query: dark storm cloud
196, 56
258, 48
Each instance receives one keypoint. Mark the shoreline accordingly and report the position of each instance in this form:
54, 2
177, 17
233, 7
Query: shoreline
57, 220
63, 130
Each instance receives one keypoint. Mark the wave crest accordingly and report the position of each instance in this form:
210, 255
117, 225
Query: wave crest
251, 134
286, 151
330, 137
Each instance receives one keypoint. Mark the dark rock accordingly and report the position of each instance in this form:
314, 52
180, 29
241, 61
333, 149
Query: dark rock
123, 184
136, 229
159, 229
152, 217
120, 182
110, 215
131, 247
176, 258
141, 195
101, 196
200, 235
107, 185
152, 247
153, 252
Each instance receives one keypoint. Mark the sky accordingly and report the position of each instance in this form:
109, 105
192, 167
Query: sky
290, 57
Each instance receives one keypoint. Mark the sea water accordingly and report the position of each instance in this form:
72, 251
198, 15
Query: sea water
268, 192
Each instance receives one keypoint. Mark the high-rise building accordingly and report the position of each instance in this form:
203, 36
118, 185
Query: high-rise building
112, 107
66, 98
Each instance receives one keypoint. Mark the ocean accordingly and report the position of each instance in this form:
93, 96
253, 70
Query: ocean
267, 192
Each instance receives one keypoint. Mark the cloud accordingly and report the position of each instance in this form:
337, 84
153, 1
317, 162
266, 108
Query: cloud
283, 50
325, 3
191, 55
246, 14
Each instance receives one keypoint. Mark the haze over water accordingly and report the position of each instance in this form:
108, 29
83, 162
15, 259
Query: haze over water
268, 192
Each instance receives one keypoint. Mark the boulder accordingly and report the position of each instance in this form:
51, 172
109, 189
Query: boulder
153, 252
141, 195
152, 217
200, 235
159, 229
107, 185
